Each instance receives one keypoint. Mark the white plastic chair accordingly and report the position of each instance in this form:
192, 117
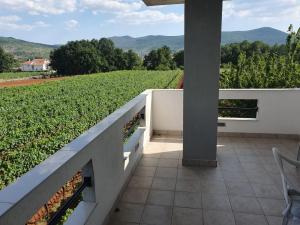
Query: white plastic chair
292, 196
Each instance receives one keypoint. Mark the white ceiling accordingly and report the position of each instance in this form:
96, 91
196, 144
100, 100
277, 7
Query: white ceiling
165, 2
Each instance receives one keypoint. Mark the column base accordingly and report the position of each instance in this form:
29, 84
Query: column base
199, 163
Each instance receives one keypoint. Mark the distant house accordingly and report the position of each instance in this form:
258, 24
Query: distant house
35, 65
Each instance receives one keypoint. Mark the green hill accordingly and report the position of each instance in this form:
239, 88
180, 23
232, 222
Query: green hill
24, 50
143, 45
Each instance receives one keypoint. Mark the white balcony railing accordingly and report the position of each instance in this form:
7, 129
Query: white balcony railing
100, 152
278, 112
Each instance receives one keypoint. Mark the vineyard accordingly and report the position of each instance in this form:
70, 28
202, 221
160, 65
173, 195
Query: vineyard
38, 120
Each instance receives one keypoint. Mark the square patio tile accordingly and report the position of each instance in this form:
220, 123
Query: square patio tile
240, 189
274, 220
148, 162
188, 185
145, 171
250, 219
216, 202
186, 216
212, 217
170, 155
169, 163
157, 215
128, 213
266, 191
140, 182
166, 172
245, 205
188, 173
165, 198
216, 187
135, 195
272, 207
164, 184
188, 200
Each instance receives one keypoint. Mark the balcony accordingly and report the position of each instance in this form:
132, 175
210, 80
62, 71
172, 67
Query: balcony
142, 180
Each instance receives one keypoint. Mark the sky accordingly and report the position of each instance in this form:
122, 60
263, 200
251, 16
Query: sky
59, 21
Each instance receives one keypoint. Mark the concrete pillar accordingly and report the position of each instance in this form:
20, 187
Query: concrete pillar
203, 22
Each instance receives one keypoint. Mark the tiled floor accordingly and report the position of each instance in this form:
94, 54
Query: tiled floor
245, 189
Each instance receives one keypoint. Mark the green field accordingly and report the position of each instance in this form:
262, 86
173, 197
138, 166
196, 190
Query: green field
36, 121
15, 75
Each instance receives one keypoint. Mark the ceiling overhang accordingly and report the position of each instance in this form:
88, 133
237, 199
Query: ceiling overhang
165, 2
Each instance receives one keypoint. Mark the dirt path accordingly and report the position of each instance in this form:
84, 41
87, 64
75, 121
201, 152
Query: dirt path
27, 82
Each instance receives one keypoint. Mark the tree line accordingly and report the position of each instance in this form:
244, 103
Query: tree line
258, 65
243, 65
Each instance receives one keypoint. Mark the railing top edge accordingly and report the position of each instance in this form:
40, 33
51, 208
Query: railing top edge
262, 89
236, 89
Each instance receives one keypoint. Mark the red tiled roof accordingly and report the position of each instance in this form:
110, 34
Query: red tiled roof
36, 62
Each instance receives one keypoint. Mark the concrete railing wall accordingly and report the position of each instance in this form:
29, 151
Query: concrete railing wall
279, 111
100, 153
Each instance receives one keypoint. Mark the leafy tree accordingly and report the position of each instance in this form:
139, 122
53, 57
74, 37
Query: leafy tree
160, 59
133, 61
7, 61
85, 57
78, 57
179, 59
293, 44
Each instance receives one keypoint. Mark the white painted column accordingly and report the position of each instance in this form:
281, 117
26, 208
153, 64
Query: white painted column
203, 22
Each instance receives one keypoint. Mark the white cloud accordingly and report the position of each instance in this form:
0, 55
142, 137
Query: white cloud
36, 7
71, 24
111, 5
14, 22
263, 10
41, 24
147, 17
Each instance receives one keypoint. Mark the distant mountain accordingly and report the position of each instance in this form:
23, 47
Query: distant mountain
143, 45
267, 35
24, 50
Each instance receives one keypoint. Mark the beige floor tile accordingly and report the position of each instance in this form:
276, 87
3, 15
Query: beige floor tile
186, 216
212, 217
170, 155
166, 172
140, 182
165, 198
250, 219
217, 187
149, 162
188, 200
164, 184
188, 185
240, 189
145, 171
157, 215
188, 173
135, 195
215, 202
169, 163
266, 191
272, 207
274, 220
128, 213
245, 205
